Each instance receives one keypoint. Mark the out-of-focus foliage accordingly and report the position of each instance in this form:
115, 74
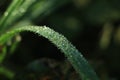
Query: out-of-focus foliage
91, 25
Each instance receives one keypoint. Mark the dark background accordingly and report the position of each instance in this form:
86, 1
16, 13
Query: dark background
93, 26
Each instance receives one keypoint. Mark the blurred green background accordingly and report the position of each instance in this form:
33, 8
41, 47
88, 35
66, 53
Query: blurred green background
93, 26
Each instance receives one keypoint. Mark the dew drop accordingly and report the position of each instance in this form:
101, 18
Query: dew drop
22, 10
6, 13
18, 38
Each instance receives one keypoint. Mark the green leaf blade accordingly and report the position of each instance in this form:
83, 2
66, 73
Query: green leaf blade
74, 56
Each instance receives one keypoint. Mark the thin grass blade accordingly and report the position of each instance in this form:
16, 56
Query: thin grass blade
73, 55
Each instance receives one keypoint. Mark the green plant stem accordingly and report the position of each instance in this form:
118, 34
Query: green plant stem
16, 9
74, 56
4, 20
